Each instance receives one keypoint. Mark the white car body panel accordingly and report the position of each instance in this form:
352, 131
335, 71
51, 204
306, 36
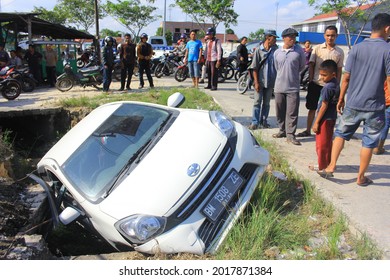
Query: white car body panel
159, 184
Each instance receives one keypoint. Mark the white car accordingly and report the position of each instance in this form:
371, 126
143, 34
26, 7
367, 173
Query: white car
153, 178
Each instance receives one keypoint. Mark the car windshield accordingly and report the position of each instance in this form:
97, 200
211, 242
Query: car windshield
98, 161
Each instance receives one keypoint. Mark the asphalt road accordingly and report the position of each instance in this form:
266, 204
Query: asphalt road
367, 208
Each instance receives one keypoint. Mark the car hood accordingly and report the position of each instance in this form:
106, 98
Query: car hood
160, 180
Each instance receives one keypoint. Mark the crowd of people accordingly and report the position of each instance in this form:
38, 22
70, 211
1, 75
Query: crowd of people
339, 98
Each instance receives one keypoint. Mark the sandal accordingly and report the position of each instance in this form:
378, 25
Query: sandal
325, 174
367, 181
304, 134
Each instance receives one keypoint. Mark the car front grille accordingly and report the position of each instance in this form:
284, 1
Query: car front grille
209, 230
207, 185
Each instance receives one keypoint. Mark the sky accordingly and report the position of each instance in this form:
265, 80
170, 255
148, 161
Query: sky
253, 14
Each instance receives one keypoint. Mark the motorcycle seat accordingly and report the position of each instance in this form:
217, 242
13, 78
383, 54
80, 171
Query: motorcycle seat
89, 69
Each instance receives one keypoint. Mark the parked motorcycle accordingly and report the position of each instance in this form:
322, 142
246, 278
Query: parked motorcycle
91, 76
87, 59
181, 73
22, 75
168, 64
10, 88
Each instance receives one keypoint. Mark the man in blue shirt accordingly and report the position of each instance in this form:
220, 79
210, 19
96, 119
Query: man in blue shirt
264, 75
365, 73
193, 56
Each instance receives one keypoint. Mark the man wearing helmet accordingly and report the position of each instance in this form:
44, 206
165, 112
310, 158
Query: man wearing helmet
213, 55
144, 53
108, 62
127, 56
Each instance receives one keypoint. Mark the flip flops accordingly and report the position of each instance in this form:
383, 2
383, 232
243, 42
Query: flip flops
325, 174
367, 181
304, 134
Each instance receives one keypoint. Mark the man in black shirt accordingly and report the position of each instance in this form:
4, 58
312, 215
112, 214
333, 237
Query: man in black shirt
127, 56
144, 53
242, 55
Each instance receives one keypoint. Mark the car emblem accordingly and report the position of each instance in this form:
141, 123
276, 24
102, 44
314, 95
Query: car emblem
193, 170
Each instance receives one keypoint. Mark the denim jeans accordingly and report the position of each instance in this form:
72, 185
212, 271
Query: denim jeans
350, 120
385, 129
261, 106
193, 69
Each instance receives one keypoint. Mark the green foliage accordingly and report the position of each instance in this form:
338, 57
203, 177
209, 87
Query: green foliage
257, 35
55, 16
108, 32
132, 14
206, 11
229, 31
168, 35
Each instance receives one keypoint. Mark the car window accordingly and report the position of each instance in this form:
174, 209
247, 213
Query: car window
97, 162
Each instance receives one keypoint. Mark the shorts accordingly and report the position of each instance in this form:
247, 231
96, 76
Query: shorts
193, 68
350, 120
313, 96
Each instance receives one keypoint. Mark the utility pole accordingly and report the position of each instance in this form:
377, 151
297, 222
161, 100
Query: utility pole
97, 37
165, 16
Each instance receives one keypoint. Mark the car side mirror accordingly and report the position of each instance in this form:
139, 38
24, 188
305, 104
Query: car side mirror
69, 215
175, 100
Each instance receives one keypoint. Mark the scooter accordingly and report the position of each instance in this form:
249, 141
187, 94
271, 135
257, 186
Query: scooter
91, 76
10, 88
22, 75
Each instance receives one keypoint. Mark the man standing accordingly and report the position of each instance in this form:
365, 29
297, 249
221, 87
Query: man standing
192, 57
242, 55
264, 75
108, 62
366, 98
127, 56
144, 53
213, 55
4, 57
320, 53
34, 59
51, 63
289, 62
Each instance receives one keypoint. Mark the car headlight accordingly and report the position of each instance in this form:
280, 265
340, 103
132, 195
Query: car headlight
141, 228
223, 123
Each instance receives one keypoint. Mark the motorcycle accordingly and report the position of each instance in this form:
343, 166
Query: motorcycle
23, 76
10, 88
91, 76
168, 64
87, 59
181, 73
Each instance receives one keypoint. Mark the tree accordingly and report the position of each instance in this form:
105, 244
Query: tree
229, 31
80, 13
168, 35
257, 35
108, 32
350, 14
55, 16
131, 14
206, 11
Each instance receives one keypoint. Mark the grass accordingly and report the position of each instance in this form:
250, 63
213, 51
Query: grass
285, 219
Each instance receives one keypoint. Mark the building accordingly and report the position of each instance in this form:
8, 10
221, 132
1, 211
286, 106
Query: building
313, 28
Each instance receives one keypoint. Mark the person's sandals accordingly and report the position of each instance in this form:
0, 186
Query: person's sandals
304, 134
367, 181
325, 174
279, 135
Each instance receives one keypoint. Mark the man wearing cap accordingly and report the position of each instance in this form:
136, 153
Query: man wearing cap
264, 75
289, 62
213, 55
327, 50
242, 55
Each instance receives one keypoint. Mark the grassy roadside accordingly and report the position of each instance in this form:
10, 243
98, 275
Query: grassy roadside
286, 219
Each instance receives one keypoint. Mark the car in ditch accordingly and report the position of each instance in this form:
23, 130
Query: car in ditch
153, 178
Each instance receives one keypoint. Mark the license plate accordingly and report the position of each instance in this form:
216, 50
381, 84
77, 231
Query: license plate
221, 198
